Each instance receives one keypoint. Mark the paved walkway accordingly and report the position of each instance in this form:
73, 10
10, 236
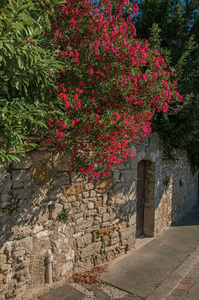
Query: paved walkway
178, 283
165, 268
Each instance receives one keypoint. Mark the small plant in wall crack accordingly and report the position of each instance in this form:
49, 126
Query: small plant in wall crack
64, 215
13, 206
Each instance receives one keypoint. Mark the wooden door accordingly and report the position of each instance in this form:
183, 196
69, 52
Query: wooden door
141, 174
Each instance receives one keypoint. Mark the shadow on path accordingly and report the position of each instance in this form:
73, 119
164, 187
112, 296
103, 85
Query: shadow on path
141, 272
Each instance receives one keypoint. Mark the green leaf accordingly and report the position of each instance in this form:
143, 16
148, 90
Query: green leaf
20, 62
15, 5
2, 3
5, 11
10, 47
19, 26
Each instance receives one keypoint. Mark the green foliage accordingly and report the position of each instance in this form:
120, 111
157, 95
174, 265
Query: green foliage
13, 206
172, 27
64, 215
27, 70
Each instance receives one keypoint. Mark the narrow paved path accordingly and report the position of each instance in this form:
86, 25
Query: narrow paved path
167, 259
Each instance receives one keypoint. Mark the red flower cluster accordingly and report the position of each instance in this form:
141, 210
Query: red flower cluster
111, 85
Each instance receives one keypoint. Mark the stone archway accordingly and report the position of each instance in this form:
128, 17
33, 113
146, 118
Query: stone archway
145, 200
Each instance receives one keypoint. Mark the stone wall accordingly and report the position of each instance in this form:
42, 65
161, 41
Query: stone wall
37, 194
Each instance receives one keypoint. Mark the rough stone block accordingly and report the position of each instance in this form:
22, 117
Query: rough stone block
84, 240
21, 231
41, 253
54, 211
105, 224
39, 156
131, 242
91, 229
20, 177
98, 203
73, 189
7, 278
3, 287
62, 179
98, 259
42, 172
116, 175
90, 205
24, 264
89, 186
104, 184
2, 260
5, 199
111, 248
40, 214
19, 253
76, 235
116, 221
133, 164
25, 163
114, 241
106, 217
71, 199
70, 254
132, 220
128, 175
91, 249
93, 193
78, 216
86, 264
44, 233
133, 149
105, 231
105, 241
105, 197
25, 243
121, 166
91, 213
114, 234
85, 194
102, 210
75, 177
129, 231
65, 268
97, 220
83, 225
79, 221
61, 162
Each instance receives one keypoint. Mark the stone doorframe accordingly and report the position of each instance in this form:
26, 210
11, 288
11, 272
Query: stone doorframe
148, 210
148, 151
149, 203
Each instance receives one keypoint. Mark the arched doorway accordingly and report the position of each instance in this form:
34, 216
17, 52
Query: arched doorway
145, 200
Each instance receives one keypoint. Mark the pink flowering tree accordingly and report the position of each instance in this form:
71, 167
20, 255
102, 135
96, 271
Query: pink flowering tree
110, 87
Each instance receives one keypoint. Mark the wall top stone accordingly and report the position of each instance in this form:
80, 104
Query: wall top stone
25, 163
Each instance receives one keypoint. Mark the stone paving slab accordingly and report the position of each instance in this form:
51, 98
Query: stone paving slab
65, 292
193, 292
100, 294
